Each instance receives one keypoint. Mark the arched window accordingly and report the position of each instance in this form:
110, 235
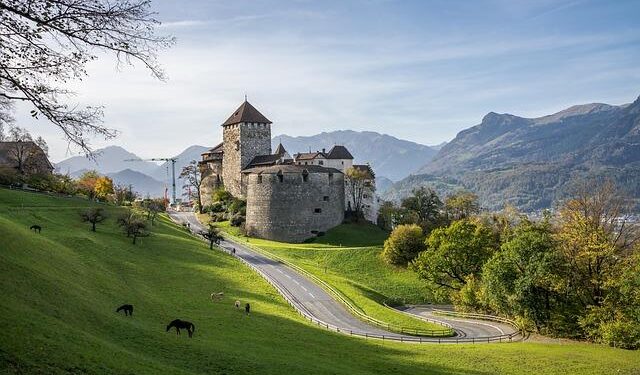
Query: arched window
280, 176
260, 178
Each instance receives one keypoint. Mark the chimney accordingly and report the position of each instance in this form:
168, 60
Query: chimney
324, 151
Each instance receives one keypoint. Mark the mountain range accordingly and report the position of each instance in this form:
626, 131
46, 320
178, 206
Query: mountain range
532, 163
391, 158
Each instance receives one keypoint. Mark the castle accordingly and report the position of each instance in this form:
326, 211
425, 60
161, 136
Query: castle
288, 198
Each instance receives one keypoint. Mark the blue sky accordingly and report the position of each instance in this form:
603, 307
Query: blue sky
418, 70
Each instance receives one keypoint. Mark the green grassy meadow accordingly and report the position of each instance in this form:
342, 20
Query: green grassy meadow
60, 289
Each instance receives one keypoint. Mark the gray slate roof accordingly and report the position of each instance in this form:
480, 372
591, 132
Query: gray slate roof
339, 152
246, 113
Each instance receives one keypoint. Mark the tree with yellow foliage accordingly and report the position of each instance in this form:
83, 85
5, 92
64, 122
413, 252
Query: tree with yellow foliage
103, 187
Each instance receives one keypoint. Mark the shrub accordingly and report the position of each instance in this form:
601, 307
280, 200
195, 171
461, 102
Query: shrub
236, 220
237, 206
403, 245
215, 207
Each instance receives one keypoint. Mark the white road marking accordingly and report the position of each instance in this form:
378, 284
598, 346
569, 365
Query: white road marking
303, 288
312, 296
296, 281
288, 277
279, 270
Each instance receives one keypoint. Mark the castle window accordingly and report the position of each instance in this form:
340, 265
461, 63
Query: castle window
330, 177
320, 162
325, 198
365, 196
237, 145
280, 176
305, 176
342, 162
317, 210
260, 178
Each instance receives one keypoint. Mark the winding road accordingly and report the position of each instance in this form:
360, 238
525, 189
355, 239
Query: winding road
319, 306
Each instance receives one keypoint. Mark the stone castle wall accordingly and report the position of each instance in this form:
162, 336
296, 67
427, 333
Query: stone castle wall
211, 174
242, 142
293, 210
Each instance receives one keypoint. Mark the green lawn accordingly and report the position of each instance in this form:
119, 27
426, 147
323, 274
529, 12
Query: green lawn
60, 289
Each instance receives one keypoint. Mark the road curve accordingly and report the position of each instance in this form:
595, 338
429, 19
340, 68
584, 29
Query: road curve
467, 328
315, 302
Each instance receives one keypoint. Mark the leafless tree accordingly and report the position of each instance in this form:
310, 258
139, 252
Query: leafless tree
44, 44
193, 181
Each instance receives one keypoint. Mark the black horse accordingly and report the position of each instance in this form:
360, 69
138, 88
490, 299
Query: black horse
128, 309
190, 327
35, 228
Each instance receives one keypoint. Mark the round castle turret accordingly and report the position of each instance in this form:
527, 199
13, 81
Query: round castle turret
293, 202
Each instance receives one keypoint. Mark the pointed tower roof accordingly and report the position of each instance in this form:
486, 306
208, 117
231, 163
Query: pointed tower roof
280, 150
246, 113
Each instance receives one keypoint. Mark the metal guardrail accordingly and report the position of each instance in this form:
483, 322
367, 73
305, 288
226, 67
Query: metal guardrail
299, 307
510, 336
342, 299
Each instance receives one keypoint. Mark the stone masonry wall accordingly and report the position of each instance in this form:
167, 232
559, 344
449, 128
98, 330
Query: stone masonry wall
211, 173
242, 142
288, 211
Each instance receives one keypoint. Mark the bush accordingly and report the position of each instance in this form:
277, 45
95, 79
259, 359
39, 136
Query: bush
214, 207
217, 217
621, 334
237, 206
9, 176
403, 245
236, 220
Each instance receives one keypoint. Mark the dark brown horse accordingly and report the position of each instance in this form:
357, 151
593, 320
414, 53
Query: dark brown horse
128, 309
190, 327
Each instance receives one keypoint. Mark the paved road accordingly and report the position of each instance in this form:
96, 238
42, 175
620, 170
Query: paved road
468, 328
316, 302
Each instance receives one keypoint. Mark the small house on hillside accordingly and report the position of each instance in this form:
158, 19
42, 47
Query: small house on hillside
25, 157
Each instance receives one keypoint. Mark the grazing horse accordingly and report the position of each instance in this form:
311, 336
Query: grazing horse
190, 327
217, 296
128, 309
35, 228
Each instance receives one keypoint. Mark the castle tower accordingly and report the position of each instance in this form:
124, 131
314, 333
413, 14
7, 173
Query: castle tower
245, 135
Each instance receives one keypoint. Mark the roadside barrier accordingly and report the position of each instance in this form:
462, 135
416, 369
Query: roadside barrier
408, 336
448, 332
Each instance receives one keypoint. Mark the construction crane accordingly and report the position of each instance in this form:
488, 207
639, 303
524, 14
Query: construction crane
173, 173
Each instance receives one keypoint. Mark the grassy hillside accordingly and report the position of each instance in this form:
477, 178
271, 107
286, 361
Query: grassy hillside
60, 289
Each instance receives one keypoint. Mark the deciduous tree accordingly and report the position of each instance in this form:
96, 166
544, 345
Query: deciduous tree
46, 45
133, 226
193, 180
103, 187
454, 253
403, 245
94, 216
425, 204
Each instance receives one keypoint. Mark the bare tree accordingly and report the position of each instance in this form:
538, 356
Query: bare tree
191, 174
94, 216
356, 181
212, 234
23, 150
133, 226
44, 44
